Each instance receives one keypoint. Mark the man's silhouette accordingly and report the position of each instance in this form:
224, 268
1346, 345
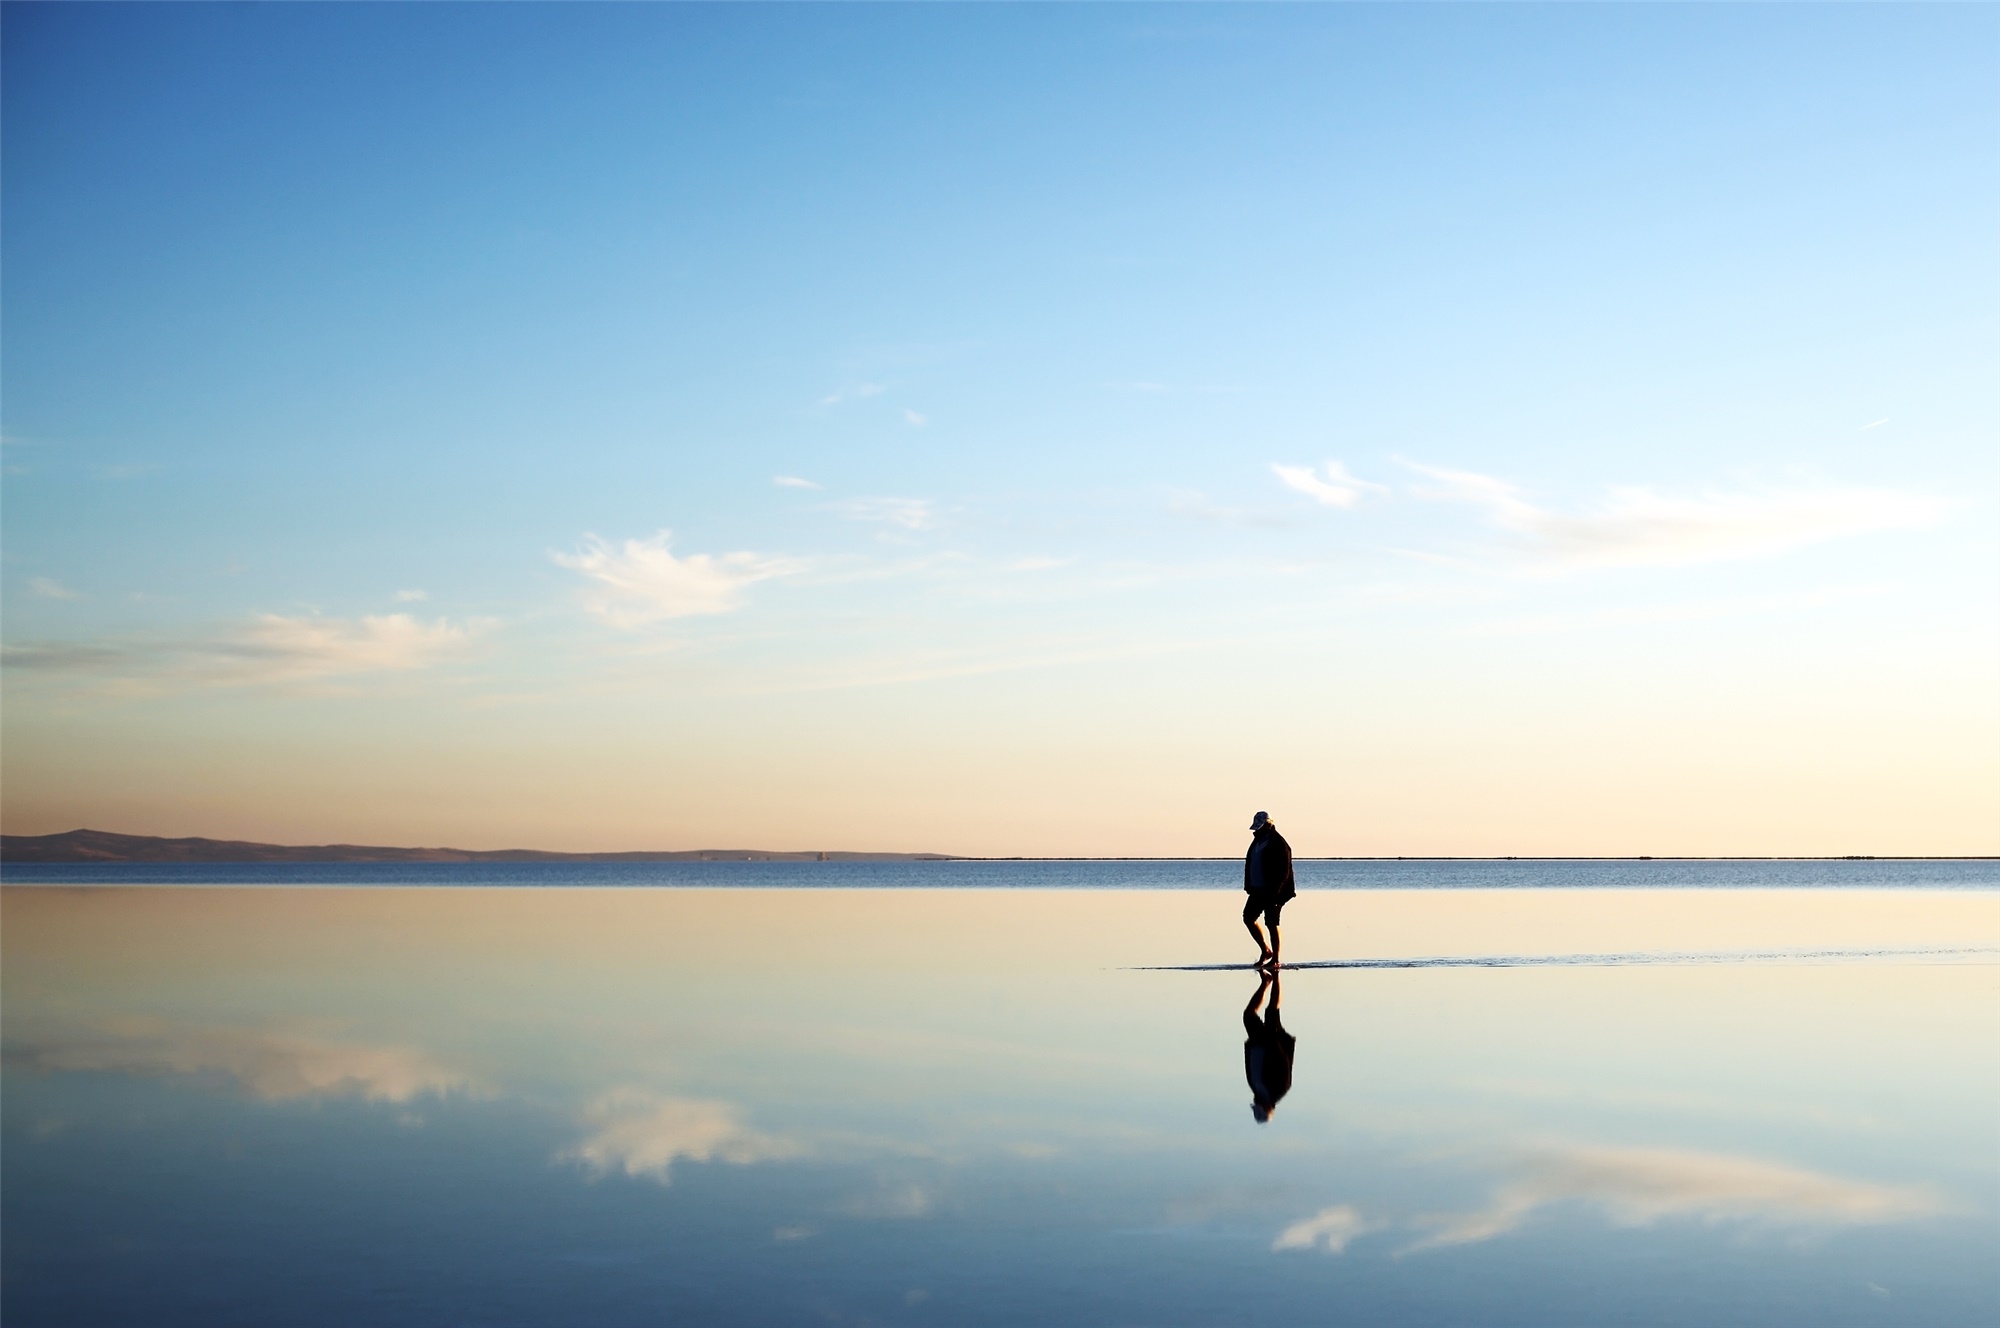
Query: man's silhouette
1267, 881
1267, 1051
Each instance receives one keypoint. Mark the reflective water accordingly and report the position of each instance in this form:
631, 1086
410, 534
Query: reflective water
1068, 874
773, 1106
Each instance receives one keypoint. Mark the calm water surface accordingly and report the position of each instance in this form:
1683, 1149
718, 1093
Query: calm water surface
985, 1105
1058, 874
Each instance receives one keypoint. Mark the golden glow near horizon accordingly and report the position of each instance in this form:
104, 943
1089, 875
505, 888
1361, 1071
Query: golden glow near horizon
1153, 759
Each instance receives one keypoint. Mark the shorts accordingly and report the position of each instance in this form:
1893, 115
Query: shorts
1265, 902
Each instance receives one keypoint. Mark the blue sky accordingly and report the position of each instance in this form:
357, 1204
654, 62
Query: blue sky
356, 358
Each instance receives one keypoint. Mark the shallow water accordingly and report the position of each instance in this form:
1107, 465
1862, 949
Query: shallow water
785, 1106
1067, 874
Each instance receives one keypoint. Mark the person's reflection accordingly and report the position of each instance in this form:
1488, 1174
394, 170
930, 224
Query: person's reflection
1267, 1050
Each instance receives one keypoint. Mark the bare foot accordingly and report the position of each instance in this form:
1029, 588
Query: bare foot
1265, 958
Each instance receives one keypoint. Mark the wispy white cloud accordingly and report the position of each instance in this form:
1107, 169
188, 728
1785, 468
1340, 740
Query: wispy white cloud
638, 1133
1637, 527
49, 588
127, 470
913, 418
271, 648
1732, 606
792, 482
410, 596
1874, 424
1640, 1186
11, 443
1331, 484
853, 392
641, 581
1155, 387
933, 665
909, 513
1037, 564
1194, 504
270, 1066
277, 648
1330, 1229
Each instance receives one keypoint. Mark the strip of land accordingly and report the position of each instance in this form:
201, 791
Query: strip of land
104, 846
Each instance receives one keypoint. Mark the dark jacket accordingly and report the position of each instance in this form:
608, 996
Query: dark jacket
1268, 864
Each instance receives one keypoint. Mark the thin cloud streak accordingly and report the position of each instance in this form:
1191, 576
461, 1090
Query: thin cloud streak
1193, 504
45, 587
1701, 610
1637, 527
909, 513
936, 667
853, 393
793, 482
272, 648
127, 470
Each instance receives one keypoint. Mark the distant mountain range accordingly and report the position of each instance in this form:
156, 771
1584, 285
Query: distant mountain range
103, 846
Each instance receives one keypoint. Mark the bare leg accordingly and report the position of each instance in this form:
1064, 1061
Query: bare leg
1274, 945
1264, 952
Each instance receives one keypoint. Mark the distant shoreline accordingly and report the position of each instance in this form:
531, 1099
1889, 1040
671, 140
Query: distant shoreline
105, 848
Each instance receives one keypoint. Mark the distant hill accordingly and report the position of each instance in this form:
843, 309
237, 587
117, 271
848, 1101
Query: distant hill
103, 846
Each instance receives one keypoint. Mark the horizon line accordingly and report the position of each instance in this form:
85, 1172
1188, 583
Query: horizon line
77, 842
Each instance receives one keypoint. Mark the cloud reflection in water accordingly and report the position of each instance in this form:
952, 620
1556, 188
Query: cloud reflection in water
1636, 1187
643, 1134
1639, 1187
271, 1066
970, 1092
1331, 1228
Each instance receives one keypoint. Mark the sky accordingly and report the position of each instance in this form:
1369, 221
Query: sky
1003, 430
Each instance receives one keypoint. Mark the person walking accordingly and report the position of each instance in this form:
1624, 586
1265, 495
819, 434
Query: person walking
1267, 880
